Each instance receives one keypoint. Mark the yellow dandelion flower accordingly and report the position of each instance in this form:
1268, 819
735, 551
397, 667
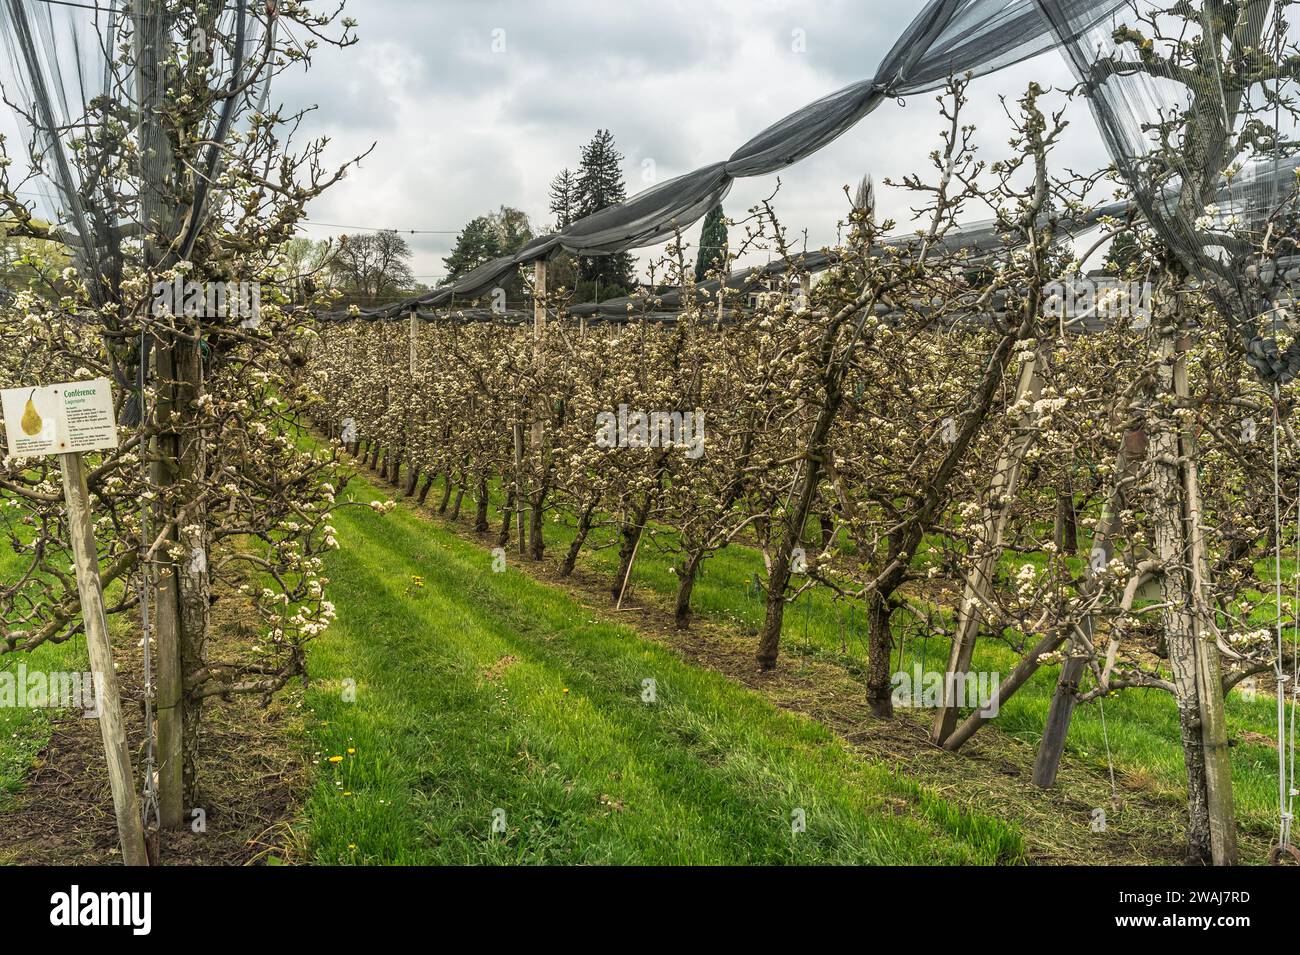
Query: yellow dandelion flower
336, 759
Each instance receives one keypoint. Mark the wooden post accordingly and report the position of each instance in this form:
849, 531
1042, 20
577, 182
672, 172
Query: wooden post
519, 488
988, 550
1209, 678
1061, 712
100, 649
539, 332
170, 723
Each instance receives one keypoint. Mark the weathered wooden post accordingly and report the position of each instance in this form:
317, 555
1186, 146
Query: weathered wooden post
539, 332
112, 730
69, 420
519, 487
988, 550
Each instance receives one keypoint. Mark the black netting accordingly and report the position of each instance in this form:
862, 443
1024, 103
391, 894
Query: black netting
58, 60
978, 241
948, 37
1197, 119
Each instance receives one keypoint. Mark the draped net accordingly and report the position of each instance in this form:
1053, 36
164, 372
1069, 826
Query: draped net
948, 37
1192, 104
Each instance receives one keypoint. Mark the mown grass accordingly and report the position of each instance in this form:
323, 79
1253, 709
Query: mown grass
1140, 730
478, 691
24, 731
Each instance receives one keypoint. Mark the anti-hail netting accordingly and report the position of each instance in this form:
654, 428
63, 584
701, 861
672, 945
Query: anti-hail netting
947, 38
63, 64
1195, 103
1190, 99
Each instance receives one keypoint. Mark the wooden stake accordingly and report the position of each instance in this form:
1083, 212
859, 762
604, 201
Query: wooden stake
997, 510
1061, 712
519, 487
630, 564
116, 752
1209, 678
539, 331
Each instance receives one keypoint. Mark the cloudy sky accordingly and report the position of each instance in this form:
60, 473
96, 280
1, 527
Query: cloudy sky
471, 104
476, 103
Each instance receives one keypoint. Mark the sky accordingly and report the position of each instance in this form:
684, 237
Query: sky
472, 104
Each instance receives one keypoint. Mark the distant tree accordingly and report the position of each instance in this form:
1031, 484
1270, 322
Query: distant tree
600, 185
564, 198
512, 229
1125, 250
304, 263
477, 243
373, 267
713, 244
864, 200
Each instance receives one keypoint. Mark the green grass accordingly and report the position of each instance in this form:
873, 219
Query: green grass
24, 731
1141, 725
477, 691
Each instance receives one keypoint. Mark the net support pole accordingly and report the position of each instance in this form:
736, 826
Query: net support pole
519, 487
539, 332
975, 594
1209, 676
108, 701
414, 335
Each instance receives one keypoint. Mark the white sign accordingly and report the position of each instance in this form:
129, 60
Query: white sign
61, 419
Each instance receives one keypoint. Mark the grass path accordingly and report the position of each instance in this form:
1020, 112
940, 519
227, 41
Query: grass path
478, 691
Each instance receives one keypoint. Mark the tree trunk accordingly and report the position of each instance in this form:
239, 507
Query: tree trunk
507, 512
880, 612
1066, 531
1198, 686
394, 470
778, 578
425, 488
446, 493
536, 542
1061, 712
580, 538
686, 584
987, 549
194, 579
481, 506
631, 535
166, 599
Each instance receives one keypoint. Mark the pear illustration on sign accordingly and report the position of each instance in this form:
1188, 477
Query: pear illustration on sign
61, 419
32, 423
